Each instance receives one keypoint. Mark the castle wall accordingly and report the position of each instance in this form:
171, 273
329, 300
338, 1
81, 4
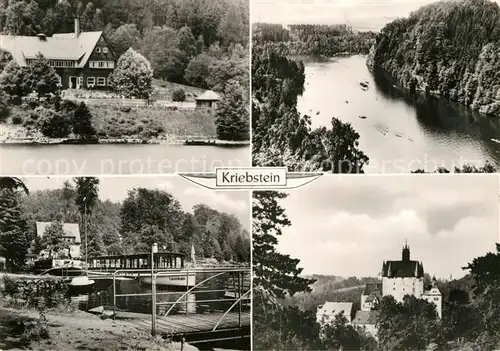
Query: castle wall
399, 287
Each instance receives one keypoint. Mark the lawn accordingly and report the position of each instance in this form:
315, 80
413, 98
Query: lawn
147, 122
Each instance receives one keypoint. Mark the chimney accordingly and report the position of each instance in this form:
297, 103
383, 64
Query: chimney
77, 27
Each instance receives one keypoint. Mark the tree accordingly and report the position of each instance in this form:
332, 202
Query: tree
51, 123
14, 18
53, 239
273, 271
187, 42
408, 325
13, 80
82, 122
87, 193
42, 77
179, 95
198, 70
94, 245
98, 20
123, 38
232, 116
340, 335
132, 76
14, 243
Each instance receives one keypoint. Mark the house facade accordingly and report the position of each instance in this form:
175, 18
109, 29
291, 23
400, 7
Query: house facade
82, 60
326, 313
71, 236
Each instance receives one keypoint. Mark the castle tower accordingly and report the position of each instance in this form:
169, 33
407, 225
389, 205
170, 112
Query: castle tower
406, 252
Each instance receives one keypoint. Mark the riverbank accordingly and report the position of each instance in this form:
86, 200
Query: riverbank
76, 330
20, 135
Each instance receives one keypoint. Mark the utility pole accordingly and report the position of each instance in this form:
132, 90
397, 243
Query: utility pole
154, 249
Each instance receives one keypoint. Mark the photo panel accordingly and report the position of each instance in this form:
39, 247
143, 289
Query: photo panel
120, 87
110, 261
377, 86
377, 263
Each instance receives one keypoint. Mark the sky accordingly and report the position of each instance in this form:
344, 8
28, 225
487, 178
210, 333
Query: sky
347, 226
115, 188
360, 14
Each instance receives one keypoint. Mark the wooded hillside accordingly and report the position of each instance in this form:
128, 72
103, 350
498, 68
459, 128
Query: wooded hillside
448, 48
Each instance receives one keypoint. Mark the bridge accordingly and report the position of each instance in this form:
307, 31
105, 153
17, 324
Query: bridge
215, 306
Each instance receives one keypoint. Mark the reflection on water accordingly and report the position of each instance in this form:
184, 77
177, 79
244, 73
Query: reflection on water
397, 131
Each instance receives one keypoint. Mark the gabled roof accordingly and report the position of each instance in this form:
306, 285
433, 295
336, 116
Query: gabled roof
333, 308
402, 269
209, 95
70, 230
64, 46
366, 317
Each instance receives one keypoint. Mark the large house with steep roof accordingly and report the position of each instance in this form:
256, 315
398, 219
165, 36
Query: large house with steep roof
71, 236
82, 60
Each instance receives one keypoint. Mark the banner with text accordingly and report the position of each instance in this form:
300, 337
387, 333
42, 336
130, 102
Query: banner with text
251, 178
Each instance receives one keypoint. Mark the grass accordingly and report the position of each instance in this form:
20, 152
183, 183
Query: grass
163, 90
147, 122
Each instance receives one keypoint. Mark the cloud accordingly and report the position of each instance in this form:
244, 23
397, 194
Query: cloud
349, 226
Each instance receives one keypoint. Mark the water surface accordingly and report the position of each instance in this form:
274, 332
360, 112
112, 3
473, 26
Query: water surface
117, 159
399, 133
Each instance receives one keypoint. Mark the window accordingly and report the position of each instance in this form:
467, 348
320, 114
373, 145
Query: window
436, 299
105, 50
98, 50
101, 64
90, 81
101, 81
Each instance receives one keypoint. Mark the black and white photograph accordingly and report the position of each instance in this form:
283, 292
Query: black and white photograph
378, 263
123, 263
380, 86
123, 86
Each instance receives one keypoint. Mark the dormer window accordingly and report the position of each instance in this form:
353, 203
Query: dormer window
105, 50
98, 50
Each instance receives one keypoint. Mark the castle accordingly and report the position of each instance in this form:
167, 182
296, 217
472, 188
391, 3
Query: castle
398, 278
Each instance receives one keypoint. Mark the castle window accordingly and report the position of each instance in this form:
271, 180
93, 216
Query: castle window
105, 50
101, 81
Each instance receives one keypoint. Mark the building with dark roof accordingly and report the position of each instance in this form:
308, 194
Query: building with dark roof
371, 295
406, 277
82, 60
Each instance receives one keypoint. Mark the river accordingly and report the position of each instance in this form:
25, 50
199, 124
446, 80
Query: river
97, 159
400, 133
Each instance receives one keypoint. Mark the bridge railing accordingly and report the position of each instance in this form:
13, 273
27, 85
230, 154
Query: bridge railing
240, 290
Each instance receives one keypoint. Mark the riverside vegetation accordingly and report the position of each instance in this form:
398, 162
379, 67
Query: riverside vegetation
450, 48
178, 47
285, 301
467, 71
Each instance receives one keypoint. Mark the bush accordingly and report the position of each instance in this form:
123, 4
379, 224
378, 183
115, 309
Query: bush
179, 95
37, 293
125, 109
52, 124
17, 120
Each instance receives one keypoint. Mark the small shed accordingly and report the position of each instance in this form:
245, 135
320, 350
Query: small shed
208, 99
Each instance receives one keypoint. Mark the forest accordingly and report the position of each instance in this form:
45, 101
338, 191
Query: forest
285, 301
145, 217
198, 42
315, 40
449, 48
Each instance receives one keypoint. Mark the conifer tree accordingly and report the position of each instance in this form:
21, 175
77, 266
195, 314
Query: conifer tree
232, 115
